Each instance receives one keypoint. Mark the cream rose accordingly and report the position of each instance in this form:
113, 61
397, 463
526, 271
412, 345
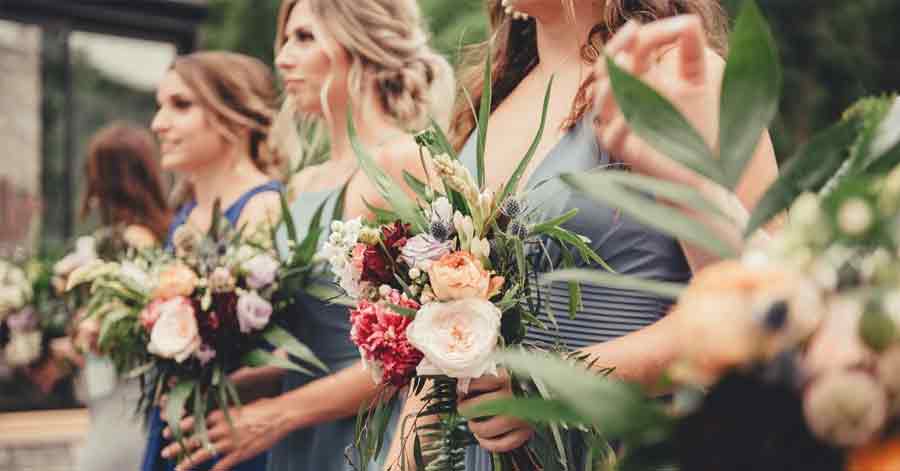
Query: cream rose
175, 280
457, 338
175, 334
460, 275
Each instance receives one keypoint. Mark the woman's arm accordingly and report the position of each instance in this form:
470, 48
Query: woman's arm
258, 426
671, 56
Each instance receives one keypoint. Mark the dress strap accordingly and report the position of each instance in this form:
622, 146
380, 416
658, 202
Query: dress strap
233, 213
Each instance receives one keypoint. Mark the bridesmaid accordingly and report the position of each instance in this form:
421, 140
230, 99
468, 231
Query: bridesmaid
681, 56
371, 55
215, 112
124, 187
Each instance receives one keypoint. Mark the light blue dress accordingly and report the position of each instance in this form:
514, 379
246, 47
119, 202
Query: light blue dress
629, 247
325, 328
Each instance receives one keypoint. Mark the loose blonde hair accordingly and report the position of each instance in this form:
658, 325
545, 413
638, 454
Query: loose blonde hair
513, 49
385, 39
239, 93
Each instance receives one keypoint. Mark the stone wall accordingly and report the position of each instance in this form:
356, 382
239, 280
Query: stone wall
20, 133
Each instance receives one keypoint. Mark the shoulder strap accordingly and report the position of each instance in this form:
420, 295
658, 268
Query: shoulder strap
233, 213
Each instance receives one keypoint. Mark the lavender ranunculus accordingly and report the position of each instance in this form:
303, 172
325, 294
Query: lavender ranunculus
424, 248
22, 321
253, 312
261, 270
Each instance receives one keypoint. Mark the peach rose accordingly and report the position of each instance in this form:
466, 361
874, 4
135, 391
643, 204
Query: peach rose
139, 237
175, 334
460, 275
175, 280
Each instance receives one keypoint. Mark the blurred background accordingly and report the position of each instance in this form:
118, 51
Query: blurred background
70, 66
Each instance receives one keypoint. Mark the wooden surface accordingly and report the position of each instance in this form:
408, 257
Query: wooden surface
43, 427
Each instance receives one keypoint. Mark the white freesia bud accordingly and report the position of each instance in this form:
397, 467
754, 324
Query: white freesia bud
415, 273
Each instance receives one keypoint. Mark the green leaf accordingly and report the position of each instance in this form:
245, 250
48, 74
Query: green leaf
382, 216
619, 410
417, 186
575, 302
403, 311
513, 183
305, 252
200, 417
391, 191
808, 170
443, 144
675, 192
213, 233
656, 121
612, 280
338, 212
109, 320
280, 338
546, 225
260, 357
532, 409
750, 92
286, 218
886, 141
178, 397
329, 293
649, 212
484, 114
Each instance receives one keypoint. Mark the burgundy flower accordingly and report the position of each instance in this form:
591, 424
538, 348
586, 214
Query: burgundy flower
378, 260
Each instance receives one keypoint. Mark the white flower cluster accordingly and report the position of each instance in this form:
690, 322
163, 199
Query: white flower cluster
15, 289
338, 251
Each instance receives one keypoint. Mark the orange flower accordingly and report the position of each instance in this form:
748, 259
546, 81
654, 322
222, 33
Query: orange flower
880, 456
460, 275
175, 280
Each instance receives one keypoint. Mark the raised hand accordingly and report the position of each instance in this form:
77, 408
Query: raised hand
670, 55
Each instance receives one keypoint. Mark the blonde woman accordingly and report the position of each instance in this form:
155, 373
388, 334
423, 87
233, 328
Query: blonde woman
371, 55
677, 45
215, 112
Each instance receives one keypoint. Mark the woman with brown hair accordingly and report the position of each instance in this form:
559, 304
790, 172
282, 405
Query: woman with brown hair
213, 123
371, 55
677, 47
124, 186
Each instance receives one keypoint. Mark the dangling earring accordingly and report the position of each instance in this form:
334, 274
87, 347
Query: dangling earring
516, 15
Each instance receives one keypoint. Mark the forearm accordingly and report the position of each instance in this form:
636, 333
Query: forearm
256, 383
401, 447
333, 397
641, 356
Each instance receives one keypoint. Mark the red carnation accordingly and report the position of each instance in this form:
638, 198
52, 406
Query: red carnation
380, 334
378, 260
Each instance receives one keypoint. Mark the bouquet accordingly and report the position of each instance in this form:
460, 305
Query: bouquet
30, 312
442, 281
183, 321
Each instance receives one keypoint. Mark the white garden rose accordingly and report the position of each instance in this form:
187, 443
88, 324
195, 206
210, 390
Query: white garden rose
457, 338
175, 334
12, 298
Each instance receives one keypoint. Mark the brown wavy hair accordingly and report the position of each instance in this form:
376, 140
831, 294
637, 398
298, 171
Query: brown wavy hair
514, 50
124, 178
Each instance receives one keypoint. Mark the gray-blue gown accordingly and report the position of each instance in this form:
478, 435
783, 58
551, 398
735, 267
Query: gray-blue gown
325, 328
629, 247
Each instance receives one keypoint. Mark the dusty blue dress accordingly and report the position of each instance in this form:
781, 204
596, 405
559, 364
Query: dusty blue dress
325, 328
155, 444
629, 247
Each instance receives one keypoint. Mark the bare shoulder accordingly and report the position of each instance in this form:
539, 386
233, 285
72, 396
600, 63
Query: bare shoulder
263, 208
402, 154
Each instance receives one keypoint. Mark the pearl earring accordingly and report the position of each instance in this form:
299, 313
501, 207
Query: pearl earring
516, 15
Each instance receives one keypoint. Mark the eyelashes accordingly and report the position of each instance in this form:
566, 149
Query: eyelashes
303, 36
